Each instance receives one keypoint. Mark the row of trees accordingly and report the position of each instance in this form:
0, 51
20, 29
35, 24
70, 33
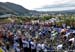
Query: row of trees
67, 20
70, 21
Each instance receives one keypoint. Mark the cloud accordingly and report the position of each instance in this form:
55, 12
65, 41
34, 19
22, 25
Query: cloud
32, 4
66, 5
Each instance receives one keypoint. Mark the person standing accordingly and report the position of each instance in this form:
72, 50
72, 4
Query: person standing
33, 45
25, 45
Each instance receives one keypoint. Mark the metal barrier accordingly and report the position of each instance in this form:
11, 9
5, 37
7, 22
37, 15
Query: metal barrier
58, 51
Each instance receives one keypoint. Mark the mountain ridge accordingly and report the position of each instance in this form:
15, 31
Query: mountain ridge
12, 8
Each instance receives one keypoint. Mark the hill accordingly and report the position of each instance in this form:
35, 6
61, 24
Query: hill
11, 8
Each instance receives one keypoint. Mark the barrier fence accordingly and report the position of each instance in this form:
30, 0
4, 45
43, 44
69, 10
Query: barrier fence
60, 51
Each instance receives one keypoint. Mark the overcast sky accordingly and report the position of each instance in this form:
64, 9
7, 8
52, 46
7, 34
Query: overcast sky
32, 4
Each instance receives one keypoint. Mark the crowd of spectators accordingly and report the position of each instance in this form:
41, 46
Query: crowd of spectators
35, 38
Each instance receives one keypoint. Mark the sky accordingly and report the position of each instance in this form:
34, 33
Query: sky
32, 4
